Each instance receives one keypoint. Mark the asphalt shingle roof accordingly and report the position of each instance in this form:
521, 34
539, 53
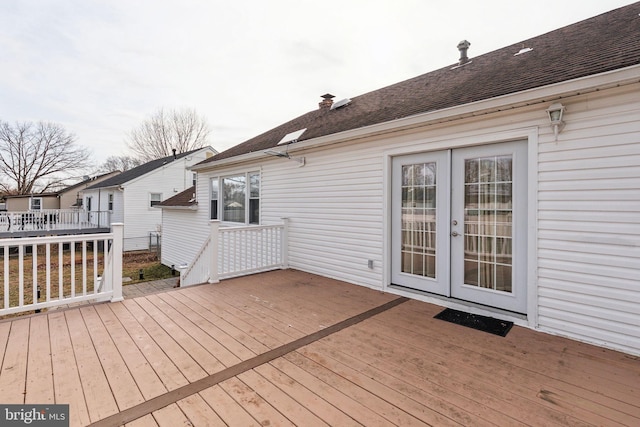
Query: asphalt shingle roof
184, 198
603, 43
138, 171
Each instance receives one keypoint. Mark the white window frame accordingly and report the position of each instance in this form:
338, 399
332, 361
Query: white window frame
88, 202
151, 201
31, 200
247, 201
110, 202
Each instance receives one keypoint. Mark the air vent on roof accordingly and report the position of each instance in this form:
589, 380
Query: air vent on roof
291, 137
341, 103
523, 50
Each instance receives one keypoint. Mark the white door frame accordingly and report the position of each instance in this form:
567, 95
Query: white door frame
465, 139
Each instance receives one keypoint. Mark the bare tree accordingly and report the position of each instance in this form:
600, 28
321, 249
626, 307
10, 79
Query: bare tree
31, 153
119, 163
183, 130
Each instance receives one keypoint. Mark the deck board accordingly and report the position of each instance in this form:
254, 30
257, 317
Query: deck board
39, 387
95, 386
162, 365
14, 365
145, 377
399, 367
120, 379
67, 383
230, 411
199, 413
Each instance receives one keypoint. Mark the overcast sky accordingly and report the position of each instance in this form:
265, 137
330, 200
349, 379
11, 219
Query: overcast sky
100, 68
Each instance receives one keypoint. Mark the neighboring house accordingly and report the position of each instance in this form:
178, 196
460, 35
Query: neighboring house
67, 198
464, 187
132, 195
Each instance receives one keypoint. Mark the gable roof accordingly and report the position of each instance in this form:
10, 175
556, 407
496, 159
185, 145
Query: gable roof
85, 182
183, 199
64, 190
607, 42
138, 171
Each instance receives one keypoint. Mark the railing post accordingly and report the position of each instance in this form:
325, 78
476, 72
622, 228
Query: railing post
285, 244
213, 242
116, 261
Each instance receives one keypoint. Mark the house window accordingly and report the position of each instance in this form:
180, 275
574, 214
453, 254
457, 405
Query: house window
234, 193
35, 204
254, 198
194, 179
110, 201
88, 204
214, 198
154, 199
236, 198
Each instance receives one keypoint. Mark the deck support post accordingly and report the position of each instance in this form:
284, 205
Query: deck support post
213, 243
285, 244
116, 261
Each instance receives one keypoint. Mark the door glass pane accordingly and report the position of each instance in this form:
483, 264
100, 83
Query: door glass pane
488, 223
419, 219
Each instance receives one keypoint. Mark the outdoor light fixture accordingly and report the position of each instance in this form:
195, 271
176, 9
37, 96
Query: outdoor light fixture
286, 155
555, 112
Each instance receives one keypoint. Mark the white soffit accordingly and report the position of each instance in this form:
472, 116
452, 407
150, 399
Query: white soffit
292, 137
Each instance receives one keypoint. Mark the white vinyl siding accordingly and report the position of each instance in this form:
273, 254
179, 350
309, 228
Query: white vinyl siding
335, 205
180, 225
589, 225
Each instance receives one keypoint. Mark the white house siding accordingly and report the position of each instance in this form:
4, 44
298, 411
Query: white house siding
180, 225
139, 218
589, 223
335, 205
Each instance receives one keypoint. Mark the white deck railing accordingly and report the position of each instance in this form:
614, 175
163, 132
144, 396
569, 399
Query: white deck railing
52, 220
238, 251
42, 272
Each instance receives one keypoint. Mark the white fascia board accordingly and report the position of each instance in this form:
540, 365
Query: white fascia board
543, 94
192, 208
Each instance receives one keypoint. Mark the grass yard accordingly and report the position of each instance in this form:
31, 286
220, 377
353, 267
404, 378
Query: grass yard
82, 273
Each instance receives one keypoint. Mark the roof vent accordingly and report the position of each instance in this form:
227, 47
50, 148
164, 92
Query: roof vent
341, 103
463, 46
327, 101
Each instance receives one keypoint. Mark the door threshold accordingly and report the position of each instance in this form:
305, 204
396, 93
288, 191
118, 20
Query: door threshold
459, 304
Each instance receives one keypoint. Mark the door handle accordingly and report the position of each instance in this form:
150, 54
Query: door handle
455, 233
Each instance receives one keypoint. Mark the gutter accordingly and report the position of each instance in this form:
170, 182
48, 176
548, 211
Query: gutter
539, 95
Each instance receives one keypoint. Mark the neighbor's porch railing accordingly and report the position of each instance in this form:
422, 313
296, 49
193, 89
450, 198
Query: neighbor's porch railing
238, 251
42, 272
53, 219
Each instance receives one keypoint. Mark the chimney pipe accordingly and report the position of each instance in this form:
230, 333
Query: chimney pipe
326, 102
462, 47
174, 153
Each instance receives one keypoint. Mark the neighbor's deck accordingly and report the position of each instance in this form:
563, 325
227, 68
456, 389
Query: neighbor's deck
243, 352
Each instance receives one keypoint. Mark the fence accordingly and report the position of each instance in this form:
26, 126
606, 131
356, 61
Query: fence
238, 251
53, 220
89, 267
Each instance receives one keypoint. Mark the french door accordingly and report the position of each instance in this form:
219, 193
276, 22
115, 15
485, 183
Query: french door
459, 224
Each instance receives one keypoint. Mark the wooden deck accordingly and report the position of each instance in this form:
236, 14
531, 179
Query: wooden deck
283, 348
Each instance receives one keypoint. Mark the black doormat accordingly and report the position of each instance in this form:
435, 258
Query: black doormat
475, 321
